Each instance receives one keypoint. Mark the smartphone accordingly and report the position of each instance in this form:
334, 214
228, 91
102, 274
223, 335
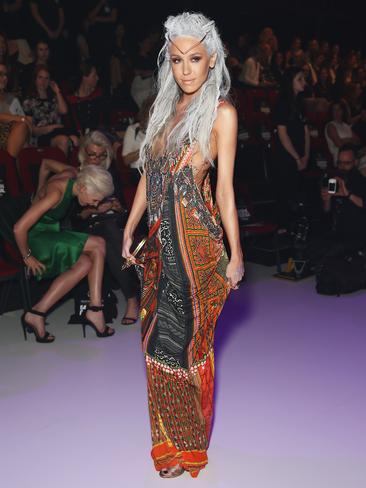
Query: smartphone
332, 185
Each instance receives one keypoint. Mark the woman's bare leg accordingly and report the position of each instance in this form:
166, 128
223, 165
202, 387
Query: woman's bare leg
17, 138
95, 249
59, 287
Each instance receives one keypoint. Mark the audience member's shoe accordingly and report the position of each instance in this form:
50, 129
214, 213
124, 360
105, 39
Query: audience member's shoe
30, 328
107, 331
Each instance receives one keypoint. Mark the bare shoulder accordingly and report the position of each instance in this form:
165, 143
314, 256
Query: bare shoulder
227, 118
226, 114
53, 190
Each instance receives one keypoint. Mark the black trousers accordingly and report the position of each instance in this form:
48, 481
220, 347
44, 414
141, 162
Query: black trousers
127, 279
287, 181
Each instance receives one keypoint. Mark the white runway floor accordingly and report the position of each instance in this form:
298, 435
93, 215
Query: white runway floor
290, 397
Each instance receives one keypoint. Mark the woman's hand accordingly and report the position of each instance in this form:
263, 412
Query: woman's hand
34, 266
54, 87
116, 205
235, 272
342, 190
26, 119
104, 207
126, 246
52, 127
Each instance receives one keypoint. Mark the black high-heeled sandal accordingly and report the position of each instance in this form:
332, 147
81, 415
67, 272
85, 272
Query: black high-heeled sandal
31, 329
107, 332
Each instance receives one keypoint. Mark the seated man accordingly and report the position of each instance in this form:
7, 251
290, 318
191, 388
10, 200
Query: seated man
346, 209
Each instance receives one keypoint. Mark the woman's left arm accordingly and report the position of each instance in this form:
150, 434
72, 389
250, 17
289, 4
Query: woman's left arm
226, 127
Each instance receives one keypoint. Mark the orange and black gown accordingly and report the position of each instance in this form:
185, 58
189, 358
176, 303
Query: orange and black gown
184, 290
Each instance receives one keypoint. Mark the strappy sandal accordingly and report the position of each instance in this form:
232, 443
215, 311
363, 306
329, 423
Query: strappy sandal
31, 329
131, 320
173, 472
107, 331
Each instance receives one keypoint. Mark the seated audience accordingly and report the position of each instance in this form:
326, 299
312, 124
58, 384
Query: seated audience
295, 56
144, 65
312, 50
278, 66
345, 211
42, 57
49, 251
15, 126
338, 131
103, 220
14, 67
45, 104
268, 36
134, 137
87, 101
324, 87
252, 71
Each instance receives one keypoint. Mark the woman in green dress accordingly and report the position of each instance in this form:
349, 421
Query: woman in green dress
48, 251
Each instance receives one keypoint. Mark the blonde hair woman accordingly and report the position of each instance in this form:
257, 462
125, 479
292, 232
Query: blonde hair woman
48, 251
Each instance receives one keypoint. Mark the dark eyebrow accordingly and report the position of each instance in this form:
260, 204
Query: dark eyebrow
180, 57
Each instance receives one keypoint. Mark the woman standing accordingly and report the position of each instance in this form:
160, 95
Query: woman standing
45, 105
187, 275
293, 142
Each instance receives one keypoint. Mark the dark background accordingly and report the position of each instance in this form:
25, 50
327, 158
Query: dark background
337, 21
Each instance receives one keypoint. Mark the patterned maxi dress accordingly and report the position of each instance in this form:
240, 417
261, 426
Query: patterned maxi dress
184, 290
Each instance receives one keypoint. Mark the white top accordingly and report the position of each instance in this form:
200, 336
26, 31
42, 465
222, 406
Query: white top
343, 130
11, 105
250, 72
132, 141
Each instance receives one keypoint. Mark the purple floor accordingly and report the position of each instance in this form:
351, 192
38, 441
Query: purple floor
290, 397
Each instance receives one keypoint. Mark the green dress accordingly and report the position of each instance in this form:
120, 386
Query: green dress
57, 249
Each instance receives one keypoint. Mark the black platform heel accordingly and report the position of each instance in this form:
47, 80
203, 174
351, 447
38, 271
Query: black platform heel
31, 329
107, 332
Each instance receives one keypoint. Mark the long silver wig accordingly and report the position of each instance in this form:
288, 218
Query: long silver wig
201, 113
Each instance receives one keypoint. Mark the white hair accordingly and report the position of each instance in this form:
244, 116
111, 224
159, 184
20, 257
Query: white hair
201, 113
96, 180
98, 139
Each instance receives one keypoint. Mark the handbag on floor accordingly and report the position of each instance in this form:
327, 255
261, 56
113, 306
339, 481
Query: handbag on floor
339, 275
81, 301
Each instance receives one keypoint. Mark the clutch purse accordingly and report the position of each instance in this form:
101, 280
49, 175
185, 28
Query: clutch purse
126, 263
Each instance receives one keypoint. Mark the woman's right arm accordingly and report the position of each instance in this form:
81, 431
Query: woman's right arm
28, 220
137, 211
49, 166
